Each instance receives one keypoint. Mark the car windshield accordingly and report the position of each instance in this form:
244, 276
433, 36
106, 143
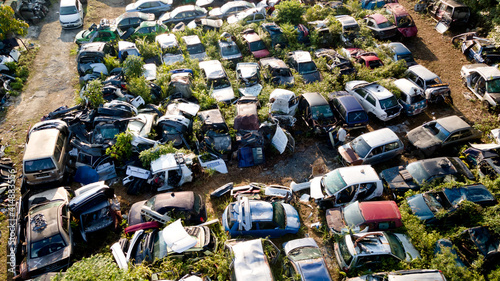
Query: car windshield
352, 215
333, 182
437, 130
305, 253
344, 251
230, 50
408, 58
307, 67
375, 63
279, 216
46, 246
431, 199
385, 24
195, 49
493, 86
404, 21
416, 98
356, 116
434, 81
396, 246
417, 171
360, 146
219, 83
70, 10
321, 112
257, 46
39, 165
285, 72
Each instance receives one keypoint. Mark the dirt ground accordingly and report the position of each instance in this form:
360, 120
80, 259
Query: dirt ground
53, 80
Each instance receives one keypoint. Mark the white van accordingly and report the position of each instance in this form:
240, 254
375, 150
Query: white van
71, 14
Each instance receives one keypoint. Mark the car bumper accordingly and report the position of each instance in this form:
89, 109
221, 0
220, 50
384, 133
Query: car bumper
71, 25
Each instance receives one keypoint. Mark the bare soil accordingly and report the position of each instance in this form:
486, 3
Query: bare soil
53, 80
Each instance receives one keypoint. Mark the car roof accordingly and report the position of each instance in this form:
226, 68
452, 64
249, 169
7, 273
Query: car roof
350, 103
250, 261
147, 23
399, 48
423, 72
408, 87
378, 91
213, 69
41, 144
299, 243
346, 20
251, 36
452, 123
46, 220
261, 210
373, 243
314, 98
380, 137
167, 39
92, 47
126, 15
273, 62
379, 210
184, 8
179, 199
438, 166
52, 194
358, 174
397, 9
379, 18
488, 72
454, 3
191, 39
416, 274
302, 56
282, 94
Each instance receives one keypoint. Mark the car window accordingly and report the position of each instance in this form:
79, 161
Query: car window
154, 4
279, 217
361, 92
466, 133
65, 218
371, 100
392, 146
376, 151
39, 165
144, 6
259, 16
404, 97
454, 137
357, 116
46, 246
346, 195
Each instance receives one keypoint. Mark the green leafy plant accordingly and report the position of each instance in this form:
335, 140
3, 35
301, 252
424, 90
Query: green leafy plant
290, 11
92, 95
140, 87
132, 67
149, 155
122, 149
111, 62
9, 24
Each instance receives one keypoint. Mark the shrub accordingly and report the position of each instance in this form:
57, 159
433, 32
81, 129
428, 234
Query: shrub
111, 62
132, 67
147, 49
122, 149
140, 87
92, 95
317, 12
149, 155
290, 11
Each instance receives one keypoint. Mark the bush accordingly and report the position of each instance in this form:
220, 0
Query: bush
122, 149
149, 155
92, 95
290, 11
147, 49
111, 62
132, 67
140, 87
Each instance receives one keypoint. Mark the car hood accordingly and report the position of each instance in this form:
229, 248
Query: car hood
419, 207
47, 260
311, 77
169, 59
260, 53
313, 270
215, 12
395, 180
421, 138
334, 220
349, 155
251, 91
69, 18
79, 35
200, 56
224, 94
316, 192
134, 215
410, 251
292, 217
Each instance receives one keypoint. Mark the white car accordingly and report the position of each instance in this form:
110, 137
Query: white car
218, 84
169, 45
435, 90
375, 99
70, 13
483, 81
248, 16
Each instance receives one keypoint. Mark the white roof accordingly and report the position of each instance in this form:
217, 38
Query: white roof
423, 72
380, 137
302, 56
211, 66
378, 91
166, 41
250, 262
358, 174
164, 163
282, 94
346, 20
191, 39
408, 87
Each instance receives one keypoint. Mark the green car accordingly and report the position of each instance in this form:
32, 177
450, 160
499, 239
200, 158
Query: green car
150, 28
96, 34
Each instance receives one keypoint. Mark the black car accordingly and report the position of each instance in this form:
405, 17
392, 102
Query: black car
91, 53
276, 71
276, 34
214, 136
478, 243
401, 179
427, 205
183, 14
305, 66
186, 204
316, 112
132, 20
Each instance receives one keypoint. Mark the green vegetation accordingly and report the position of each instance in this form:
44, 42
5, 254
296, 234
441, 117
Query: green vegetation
122, 149
149, 155
92, 95
10, 25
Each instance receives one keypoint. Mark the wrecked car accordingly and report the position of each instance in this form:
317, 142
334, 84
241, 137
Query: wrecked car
306, 260
276, 71
180, 83
398, 51
97, 33
412, 97
218, 84
477, 49
448, 13
247, 118
426, 206
91, 53
96, 207
228, 48
305, 66
185, 14
416, 174
156, 7
214, 136
194, 47
260, 218
372, 148
283, 106
316, 112
436, 134
484, 83
363, 217
250, 259
126, 49
170, 171
402, 19
275, 32
229, 8
255, 44
131, 20
186, 204
336, 62
248, 75
478, 243
348, 110
49, 238
435, 90
401, 275
248, 16
46, 153
360, 249
170, 48
380, 26
366, 59
343, 185
350, 29
174, 128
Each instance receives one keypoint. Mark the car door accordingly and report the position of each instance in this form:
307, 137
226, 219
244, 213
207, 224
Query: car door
453, 138
371, 104
80, 9
360, 95
346, 195
366, 191
375, 155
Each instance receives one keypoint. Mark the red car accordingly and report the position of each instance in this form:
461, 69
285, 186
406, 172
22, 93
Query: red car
403, 21
368, 59
255, 44
364, 217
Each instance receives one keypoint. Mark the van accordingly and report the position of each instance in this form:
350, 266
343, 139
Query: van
46, 152
412, 97
71, 13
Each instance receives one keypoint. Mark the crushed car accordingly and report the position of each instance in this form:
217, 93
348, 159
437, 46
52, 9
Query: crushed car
435, 90
448, 13
248, 75
214, 136
276, 71
170, 48
412, 97
477, 49
305, 66
278, 39
484, 83
316, 112
336, 62
228, 48
283, 106
218, 83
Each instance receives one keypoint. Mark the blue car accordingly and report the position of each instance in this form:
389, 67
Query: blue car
373, 4
401, 52
307, 260
348, 109
260, 218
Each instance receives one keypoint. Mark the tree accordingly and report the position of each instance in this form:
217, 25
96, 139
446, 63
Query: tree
290, 11
9, 24
132, 67
92, 95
